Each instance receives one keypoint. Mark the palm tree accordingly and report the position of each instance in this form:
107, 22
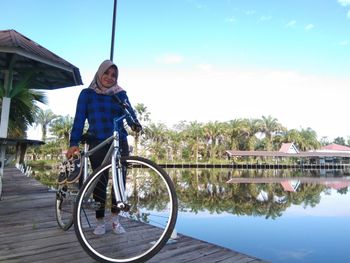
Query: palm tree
143, 116
194, 134
233, 133
292, 135
254, 126
247, 131
306, 139
270, 126
310, 138
156, 140
61, 128
44, 118
23, 108
214, 133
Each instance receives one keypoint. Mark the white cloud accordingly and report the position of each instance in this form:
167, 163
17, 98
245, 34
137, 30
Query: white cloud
250, 12
344, 43
309, 27
230, 19
344, 2
265, 18
170, 59
206, 93
212, 94
205, 67
197, 4
291, 23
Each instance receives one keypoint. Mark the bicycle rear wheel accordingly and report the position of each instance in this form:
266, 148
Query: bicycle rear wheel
64, 205
149, 222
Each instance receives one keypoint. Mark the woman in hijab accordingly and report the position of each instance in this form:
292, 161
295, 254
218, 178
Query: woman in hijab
97, 105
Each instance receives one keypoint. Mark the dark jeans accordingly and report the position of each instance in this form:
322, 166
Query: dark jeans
101, 187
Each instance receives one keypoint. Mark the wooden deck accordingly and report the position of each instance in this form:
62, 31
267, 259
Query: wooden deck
29, 232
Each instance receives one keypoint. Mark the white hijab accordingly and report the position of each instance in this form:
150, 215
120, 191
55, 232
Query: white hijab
96, 84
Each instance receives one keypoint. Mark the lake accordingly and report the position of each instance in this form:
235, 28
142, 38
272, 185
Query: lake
276, 215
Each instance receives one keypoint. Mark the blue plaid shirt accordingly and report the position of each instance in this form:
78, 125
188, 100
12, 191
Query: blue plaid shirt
99, 110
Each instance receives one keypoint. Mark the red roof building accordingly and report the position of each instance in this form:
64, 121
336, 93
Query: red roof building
288, 148
333, 153
335, 148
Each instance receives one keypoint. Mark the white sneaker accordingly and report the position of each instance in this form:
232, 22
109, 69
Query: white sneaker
116, 226
100, 227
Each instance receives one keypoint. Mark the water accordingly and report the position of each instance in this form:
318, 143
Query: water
295, 217
277, 215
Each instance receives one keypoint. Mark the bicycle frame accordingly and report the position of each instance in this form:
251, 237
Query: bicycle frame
113, 156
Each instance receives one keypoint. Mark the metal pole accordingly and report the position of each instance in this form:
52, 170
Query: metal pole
113, 28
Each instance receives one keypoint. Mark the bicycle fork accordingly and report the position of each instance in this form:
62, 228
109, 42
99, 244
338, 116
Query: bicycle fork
118, 171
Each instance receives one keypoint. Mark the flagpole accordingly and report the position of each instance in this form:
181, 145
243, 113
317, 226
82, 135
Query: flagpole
113, 29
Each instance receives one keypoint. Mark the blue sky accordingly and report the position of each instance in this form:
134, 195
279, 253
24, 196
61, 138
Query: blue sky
205, 60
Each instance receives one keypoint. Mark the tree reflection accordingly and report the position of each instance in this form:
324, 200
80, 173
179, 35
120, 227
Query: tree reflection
209, 190
262, 194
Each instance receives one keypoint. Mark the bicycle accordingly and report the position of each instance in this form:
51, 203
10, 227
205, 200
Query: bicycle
146, 199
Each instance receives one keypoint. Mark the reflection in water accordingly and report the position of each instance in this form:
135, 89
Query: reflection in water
277, 215
251, 192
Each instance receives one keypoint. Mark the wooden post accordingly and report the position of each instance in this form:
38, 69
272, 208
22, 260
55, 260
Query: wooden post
5, 113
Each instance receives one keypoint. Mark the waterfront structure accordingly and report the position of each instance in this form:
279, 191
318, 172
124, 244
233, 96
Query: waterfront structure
333, 154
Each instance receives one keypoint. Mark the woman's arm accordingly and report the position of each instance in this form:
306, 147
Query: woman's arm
79, 119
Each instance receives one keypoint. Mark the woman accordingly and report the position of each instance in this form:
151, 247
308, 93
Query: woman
97, 106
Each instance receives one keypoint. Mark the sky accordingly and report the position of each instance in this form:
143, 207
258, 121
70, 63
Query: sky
204, 60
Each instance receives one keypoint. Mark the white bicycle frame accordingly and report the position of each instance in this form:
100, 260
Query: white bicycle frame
113, 155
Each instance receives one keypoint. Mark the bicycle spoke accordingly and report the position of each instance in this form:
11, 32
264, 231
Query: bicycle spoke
148, 223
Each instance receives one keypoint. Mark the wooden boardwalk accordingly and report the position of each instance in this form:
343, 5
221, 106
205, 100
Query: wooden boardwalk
29, 232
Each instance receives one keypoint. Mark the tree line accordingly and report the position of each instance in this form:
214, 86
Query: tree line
190, 141
186, 141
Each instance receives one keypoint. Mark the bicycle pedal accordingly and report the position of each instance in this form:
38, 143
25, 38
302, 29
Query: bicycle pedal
126, 208
123, 207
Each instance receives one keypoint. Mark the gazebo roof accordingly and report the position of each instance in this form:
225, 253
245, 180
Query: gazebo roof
14, 141
27, 55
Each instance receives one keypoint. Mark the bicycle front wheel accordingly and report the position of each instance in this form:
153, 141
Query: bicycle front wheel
148, 220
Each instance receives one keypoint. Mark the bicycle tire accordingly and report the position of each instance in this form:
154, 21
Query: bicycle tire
149, 223
1, 186
64, 205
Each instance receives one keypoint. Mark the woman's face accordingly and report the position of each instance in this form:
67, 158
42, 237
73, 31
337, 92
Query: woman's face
109, 78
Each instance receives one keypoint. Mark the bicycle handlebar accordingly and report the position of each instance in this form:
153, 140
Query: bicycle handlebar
134, 123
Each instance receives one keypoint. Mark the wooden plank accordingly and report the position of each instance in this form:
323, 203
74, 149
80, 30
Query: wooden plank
29, 231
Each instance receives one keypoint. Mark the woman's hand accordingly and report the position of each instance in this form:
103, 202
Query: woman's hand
74, 150
136, 127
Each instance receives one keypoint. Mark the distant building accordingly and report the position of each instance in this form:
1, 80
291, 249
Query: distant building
334, 148
329, 154
288, 148
332, 152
